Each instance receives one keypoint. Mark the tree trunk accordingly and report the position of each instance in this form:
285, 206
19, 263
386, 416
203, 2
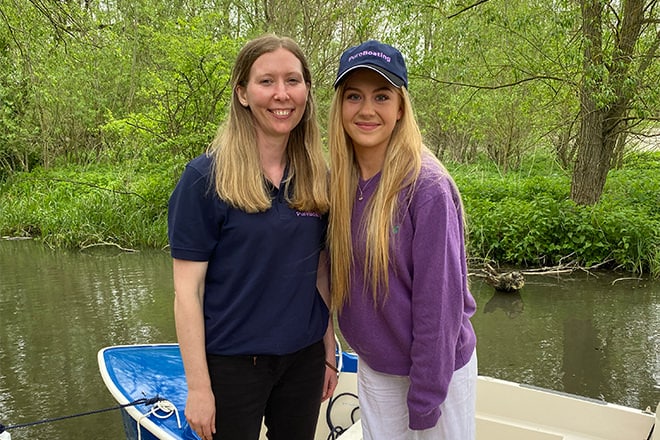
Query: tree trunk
593, 157
603, 124
592, 162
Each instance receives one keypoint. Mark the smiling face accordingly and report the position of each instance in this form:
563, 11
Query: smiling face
276, 93
371, 107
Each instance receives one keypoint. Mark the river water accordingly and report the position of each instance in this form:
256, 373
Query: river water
596, 335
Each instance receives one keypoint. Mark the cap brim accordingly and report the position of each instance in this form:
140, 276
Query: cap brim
393, 79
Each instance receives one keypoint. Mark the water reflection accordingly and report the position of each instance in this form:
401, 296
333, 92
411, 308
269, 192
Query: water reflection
57, 309
510, 303
582, 357
579, 334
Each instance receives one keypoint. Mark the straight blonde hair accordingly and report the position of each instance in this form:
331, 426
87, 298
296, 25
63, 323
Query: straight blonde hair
403, 160
239, 178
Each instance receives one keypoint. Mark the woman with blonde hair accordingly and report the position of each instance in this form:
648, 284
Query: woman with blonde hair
399, 269
247, 226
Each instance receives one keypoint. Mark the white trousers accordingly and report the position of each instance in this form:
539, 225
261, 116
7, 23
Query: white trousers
384, 412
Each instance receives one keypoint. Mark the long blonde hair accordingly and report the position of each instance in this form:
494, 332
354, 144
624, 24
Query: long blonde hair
239, 178
401, 168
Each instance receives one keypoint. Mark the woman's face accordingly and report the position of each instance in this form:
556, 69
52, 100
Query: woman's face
276, 94
371, 107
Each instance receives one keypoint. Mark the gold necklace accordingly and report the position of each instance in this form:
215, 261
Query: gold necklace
362, 188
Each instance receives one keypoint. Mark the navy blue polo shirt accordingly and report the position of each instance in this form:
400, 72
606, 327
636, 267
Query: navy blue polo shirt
260, 294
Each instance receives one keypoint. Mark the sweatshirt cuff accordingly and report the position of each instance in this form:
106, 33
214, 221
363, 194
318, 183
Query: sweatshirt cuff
418, 422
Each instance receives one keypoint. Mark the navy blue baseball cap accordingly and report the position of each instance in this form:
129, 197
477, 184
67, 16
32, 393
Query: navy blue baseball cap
377, 56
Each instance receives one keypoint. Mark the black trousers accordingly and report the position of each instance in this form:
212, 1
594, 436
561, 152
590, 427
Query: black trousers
284, 391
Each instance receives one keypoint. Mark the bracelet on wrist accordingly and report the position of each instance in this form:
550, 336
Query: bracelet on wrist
332, 367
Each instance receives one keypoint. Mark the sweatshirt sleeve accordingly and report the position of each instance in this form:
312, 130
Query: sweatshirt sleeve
437, 303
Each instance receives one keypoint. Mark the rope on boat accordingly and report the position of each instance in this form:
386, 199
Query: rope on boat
143, 401
336, 431
162, 410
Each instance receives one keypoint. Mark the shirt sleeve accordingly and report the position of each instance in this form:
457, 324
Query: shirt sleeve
193, 216
437, 301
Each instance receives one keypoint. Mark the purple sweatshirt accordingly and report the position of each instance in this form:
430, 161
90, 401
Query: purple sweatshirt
423, 328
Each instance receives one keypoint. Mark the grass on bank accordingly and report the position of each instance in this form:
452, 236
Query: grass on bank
524, 218
75, 207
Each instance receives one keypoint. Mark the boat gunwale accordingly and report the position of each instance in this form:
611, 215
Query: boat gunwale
139, 417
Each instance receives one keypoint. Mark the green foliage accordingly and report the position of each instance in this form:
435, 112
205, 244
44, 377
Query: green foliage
528, 220
89, 81
188, 80
71, 207
14, 154
488, 80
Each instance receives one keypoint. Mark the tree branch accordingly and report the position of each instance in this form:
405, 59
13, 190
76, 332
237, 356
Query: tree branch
499, 86
467, 8
105, 243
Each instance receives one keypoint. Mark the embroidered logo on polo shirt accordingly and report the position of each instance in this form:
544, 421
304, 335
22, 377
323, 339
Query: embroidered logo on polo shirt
308, 214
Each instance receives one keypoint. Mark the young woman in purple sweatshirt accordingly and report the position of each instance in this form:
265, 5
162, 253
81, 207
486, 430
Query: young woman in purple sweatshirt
398, 265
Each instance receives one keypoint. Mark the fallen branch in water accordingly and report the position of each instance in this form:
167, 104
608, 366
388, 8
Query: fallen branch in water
502, 282
105, 243
561, 268
627, 279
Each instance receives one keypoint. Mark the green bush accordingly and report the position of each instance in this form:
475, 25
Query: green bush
527, 219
